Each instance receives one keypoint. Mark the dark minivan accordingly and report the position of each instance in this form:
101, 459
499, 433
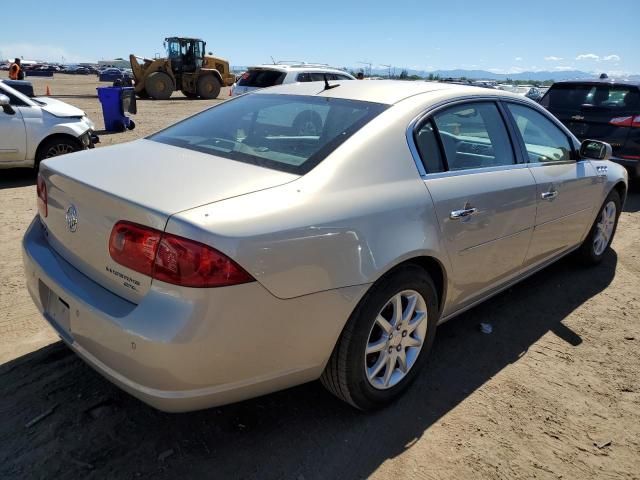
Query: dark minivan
601, 109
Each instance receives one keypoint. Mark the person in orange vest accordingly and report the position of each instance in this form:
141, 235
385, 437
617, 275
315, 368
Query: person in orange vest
15, 70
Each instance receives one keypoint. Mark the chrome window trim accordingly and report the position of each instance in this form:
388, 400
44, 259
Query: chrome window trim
435, 108
550, 164
469, 171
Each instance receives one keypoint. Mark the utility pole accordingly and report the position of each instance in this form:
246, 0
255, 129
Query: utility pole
367, 64
389, 68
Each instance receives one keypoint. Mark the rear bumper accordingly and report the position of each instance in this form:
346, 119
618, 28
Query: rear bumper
194, 350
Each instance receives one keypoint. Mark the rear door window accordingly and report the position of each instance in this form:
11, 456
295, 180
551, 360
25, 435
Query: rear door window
474, 136
261, 78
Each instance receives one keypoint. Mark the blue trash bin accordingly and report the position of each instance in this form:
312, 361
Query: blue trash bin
116, 102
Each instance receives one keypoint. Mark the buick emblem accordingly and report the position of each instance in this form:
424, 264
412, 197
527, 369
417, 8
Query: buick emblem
72, 218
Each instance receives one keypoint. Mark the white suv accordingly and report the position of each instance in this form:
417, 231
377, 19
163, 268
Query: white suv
262, 76
32, 129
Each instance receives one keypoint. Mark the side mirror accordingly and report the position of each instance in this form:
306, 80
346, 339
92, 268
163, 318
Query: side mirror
5, 103
595, 150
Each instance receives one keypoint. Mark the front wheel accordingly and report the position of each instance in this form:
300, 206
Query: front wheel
602, 232
386, 341
56, 146
159, 86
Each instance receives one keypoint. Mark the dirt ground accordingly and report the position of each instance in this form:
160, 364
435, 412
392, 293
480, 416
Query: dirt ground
552, 393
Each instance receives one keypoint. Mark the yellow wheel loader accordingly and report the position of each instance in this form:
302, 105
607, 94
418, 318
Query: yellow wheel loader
186, 68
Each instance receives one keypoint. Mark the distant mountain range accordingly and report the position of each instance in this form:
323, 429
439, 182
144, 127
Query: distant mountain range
483, 74
486, 75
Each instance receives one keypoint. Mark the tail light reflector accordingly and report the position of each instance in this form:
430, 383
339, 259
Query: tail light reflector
41, 191
173, 259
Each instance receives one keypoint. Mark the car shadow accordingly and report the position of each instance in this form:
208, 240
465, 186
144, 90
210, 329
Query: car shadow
632, 204
92, 429
17, 177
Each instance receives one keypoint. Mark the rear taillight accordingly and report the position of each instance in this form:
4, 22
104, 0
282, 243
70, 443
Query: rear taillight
41, 191
171, 258
628, 121
134, 246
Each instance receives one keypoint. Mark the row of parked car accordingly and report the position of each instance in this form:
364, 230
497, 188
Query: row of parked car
110, 72
600, 109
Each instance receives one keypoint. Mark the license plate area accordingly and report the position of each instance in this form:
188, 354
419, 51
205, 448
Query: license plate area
56, 310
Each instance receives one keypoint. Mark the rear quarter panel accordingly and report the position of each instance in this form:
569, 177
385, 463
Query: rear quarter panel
361, 211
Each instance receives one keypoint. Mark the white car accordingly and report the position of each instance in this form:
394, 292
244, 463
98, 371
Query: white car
262, 76
32, 129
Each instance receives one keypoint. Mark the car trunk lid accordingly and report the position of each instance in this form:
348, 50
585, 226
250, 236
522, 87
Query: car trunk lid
144, 182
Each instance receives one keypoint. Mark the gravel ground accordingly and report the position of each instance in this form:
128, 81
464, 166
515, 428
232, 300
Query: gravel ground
553, 392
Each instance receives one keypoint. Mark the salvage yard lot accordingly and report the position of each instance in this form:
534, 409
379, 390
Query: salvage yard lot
553, 392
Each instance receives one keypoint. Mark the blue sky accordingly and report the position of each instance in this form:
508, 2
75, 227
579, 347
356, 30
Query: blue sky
500, 36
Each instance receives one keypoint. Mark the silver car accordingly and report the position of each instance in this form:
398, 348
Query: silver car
231, 255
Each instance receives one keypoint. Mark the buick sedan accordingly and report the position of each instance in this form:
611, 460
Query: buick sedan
237, 253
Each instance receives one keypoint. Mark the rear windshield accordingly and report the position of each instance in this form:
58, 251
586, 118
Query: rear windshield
575, 96
261, 78
290, 133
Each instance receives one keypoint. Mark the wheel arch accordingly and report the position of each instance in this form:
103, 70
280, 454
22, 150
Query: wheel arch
436, 271
428, 263
66, 136
211, 71
621, 188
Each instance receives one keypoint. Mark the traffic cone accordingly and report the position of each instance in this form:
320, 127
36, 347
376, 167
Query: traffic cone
48, 93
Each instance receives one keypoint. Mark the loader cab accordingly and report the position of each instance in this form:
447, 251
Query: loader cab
186, 54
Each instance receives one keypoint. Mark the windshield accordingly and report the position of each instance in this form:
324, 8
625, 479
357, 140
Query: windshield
261, 78
17, 98
290, 133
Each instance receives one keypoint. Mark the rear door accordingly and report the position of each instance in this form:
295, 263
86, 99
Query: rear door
566, 186
483, 193
599, 111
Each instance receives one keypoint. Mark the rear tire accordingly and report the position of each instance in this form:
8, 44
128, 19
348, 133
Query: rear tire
358, 370
599, 239
208, 87
159, 86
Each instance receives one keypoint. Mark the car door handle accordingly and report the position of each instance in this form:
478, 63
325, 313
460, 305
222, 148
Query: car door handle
465, 212
549, 195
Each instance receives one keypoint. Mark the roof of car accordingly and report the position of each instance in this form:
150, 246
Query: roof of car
382, 91
598, 81
294, 67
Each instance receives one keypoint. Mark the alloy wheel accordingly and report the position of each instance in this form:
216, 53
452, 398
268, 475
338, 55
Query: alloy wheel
604, 228
396, 339
59, 149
